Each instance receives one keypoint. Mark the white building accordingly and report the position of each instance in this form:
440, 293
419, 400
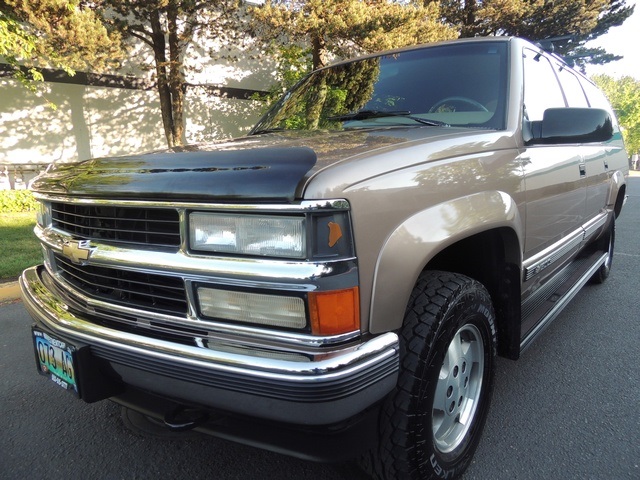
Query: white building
110, 115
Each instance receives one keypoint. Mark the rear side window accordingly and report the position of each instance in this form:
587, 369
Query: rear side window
595, 96
572, 89
597, 99
541, 87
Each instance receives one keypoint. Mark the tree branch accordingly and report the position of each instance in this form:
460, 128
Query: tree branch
140, 37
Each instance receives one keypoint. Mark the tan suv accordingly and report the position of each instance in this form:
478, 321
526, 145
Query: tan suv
341, 279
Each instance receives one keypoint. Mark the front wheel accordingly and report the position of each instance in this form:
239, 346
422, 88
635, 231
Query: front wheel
431, 425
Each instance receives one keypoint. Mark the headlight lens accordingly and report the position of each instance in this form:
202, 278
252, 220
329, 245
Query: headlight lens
271, 310
274, 236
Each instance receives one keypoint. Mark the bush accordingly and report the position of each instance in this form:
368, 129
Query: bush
19, 246
16, 201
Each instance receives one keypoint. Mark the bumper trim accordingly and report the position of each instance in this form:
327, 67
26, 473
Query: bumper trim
343, 380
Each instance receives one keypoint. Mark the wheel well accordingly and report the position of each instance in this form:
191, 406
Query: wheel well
620, 200
493, 258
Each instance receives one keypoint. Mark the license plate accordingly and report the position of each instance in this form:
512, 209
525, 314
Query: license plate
56, 360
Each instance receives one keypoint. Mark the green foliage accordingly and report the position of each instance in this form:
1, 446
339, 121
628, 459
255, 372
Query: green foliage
344, 27
19, 246
17, 43
329, 92
64, 34
59, 34
624, 95
14, 201
293, 63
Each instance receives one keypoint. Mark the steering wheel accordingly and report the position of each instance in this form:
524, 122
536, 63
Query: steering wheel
477, 106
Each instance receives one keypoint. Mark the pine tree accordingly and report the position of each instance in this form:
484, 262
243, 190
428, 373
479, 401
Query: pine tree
570, 23
346, 27
58, 34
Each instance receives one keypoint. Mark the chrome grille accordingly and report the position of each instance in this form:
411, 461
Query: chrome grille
147, 226
150, 292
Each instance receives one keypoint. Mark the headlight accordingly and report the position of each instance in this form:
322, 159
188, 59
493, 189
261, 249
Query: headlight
271, 310
331, 312
274, 236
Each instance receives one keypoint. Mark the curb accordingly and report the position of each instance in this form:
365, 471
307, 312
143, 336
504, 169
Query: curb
9, 291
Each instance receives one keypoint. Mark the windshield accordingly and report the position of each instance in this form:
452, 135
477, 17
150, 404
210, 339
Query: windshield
460, 85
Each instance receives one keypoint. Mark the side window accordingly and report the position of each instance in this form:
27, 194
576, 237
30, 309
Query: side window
597, 99
541, 87
572, 89
595, 96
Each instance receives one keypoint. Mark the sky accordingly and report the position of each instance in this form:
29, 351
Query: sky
622, 40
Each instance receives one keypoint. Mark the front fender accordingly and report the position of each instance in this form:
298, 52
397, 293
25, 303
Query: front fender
422, 236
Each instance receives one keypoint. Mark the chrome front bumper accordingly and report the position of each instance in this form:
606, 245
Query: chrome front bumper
333, 385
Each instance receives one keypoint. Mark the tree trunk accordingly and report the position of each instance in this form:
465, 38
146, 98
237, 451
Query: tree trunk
469, 18
176, 77
159, 49
320, 53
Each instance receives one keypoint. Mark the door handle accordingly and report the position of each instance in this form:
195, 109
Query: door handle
583, 170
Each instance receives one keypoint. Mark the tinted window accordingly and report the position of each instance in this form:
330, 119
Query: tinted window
463, 85
595, 96
541, 87
572, 89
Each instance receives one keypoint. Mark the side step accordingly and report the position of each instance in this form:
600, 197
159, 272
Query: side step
545, 304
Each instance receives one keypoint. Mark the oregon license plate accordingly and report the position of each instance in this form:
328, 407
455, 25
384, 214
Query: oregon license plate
56, 360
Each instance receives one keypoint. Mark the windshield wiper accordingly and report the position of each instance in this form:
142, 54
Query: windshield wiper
267, 130
367, 114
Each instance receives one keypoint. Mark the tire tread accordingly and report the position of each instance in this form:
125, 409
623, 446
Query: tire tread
427, 307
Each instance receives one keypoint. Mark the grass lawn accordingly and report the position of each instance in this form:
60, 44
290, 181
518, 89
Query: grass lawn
19, 248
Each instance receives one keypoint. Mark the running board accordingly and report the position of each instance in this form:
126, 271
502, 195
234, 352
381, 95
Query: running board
551, 299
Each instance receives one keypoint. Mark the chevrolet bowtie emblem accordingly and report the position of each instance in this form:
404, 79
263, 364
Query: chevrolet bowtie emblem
76, 250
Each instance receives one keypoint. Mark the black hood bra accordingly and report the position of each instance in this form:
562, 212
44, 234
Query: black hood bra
271, 173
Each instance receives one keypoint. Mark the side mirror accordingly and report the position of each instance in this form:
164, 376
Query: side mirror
572, 125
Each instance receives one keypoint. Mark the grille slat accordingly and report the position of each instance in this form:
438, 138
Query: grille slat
124, 291
118, 228
101, 280
147, 226
151, 292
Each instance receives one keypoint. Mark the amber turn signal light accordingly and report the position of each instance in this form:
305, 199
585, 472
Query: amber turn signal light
334, 312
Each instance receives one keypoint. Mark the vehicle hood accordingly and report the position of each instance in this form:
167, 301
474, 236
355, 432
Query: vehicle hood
253, 168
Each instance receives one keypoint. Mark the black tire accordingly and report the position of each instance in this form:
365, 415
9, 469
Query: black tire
448, 351
607, 244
